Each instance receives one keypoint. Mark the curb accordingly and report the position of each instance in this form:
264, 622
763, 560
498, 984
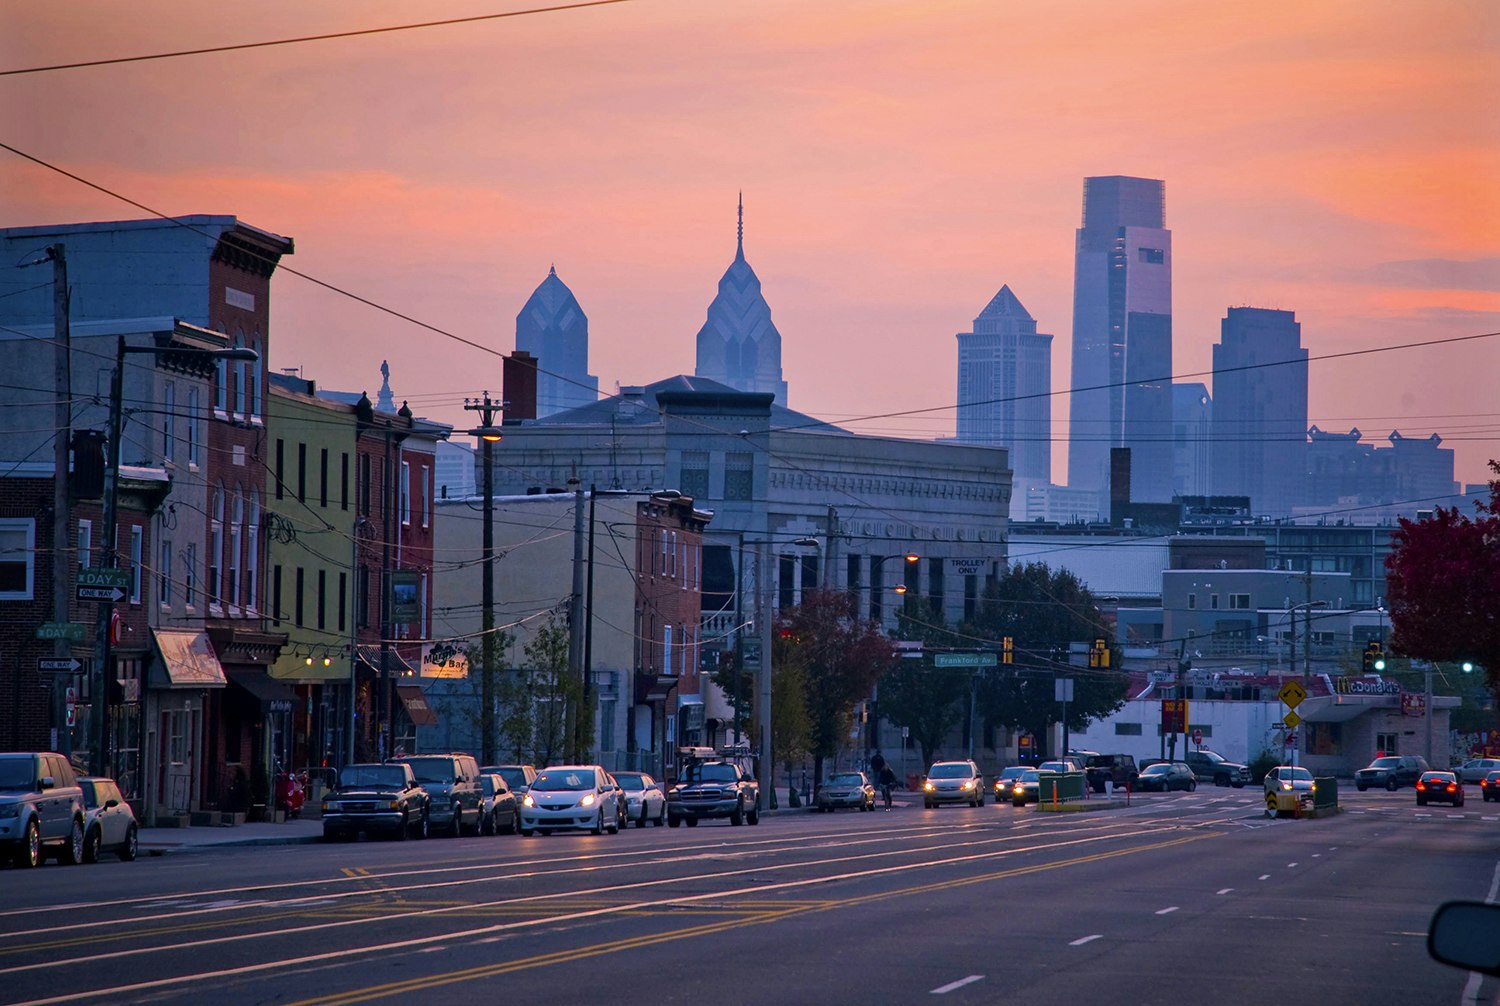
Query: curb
165, 848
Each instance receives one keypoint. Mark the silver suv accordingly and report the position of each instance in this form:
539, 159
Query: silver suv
41, 808
953, 782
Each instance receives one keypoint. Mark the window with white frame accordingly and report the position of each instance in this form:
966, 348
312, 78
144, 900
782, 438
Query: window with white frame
423, 629
232, 560
17, 558
190, 575
424, 488
252, 554
169, 422
241, 406
666, 649
221, 386
215, 547
137, 543
164, 574
405, 490
1240, 602
254, 369
85, 544
191, 428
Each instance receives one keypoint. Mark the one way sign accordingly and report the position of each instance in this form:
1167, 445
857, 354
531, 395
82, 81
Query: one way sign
58, 665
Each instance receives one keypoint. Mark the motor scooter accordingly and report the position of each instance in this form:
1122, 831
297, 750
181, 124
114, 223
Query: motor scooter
291, 792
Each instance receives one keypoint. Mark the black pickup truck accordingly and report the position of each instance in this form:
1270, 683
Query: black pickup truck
714, 789
1210, 766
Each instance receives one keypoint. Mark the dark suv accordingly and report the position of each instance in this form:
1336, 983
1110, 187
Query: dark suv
1118, 769
1391, 771
453, 795
41, 808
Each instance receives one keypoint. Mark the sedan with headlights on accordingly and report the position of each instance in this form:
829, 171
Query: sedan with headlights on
953, 782
567, 797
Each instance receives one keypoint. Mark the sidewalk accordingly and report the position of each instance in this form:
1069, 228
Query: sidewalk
157, 841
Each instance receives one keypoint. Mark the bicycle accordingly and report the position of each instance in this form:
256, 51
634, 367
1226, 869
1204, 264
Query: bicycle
885, 791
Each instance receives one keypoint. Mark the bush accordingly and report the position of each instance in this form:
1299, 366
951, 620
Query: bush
1261, 764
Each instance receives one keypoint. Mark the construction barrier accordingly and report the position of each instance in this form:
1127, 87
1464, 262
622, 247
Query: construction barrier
1059, 787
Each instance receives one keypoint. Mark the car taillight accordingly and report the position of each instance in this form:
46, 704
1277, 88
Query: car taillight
1451, 787
1421, 785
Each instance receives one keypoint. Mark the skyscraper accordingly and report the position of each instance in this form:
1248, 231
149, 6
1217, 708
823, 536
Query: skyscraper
1192, 416
554, 329
738, 345
1004, 377
1122, 337
1260, 410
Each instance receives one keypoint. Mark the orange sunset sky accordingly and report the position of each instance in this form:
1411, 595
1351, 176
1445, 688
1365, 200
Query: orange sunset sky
900, 162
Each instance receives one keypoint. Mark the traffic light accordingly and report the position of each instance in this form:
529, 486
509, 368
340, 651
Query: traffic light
1373, 660
1099, 655
1007, 650
1468, 666
1379, 653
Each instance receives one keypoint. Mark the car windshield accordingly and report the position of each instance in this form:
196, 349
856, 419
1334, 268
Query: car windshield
487, 784
1012, 772
845, 779
1385, 763
1160, 768
630, 780
17, 773
361, 776
950, 770
1053, 766
1293, 774
514, 776
1031, 775
714, 772
431, 769
1212, 756
563, 780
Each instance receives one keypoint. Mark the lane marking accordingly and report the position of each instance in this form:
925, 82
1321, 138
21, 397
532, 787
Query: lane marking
1086, 939
1167, 911
1265, 876
942, 989
1317, 855
1476, 980
1225, 890
1291, 866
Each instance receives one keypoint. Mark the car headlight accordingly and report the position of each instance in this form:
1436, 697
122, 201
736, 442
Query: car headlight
969, 784
393, 805
1286, 785
327, 806
527, 801
928, 786
588, 800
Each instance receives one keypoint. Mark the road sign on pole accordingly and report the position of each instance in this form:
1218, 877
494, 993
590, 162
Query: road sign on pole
1292, 693
58, 665
965, 660
71, 631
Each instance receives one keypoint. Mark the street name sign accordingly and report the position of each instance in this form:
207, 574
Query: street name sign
71, 631
965, 659
100, 584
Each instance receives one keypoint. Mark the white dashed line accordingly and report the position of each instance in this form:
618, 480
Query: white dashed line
1316, 855
1265, 876
1167, 911
1423, 815
1291, 866
431, 950
941, 989
1457, 817
1491, 818
1086, 939
1226, 890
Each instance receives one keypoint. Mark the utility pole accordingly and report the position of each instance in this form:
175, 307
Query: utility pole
62, 517
588, 632
488, 435
766, 774
575, 713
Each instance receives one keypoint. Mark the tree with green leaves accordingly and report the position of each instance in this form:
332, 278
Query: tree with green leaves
842, 657
551, 691
1043, 611
790, 724
928, 701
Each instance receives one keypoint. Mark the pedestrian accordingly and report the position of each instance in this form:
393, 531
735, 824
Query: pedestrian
877, 762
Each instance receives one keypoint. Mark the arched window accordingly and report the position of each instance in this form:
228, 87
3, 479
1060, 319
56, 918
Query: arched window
215, 547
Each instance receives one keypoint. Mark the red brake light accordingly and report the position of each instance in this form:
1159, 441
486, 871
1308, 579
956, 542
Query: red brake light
1421, 784
1451, 787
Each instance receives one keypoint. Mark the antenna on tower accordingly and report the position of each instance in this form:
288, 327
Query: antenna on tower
740, 237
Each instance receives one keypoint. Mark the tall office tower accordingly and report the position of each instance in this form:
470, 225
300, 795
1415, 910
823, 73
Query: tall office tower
554, 329
738, 345
1260, 411
1122, 337
1192, 415
1004, 379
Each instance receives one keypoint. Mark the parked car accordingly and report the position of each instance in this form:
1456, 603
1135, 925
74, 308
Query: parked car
499, 810
41, 808
372, 797
109, 824
1489, 786
714, 788
1475, 769
1118, 769
572, 797
517, 777
1027, 788
953, 782
1210, 766
1287, 787
1440, 787
846, 789
452, 785
1055, 766
1006, 780
644, 798
1391, 771
1165, 776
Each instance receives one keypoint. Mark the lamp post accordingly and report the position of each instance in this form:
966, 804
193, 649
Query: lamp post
99, 678
872, 721
1306, 607
489, 435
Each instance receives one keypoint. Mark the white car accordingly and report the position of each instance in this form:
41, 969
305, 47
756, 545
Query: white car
108, 822
564, 797
645, 800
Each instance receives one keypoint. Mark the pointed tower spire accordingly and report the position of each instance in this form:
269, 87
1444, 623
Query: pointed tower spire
740, 250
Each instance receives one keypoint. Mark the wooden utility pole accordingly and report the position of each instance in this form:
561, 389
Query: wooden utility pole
62, 517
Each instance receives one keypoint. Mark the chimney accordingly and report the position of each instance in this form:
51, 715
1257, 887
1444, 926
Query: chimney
518, 386
1119, 483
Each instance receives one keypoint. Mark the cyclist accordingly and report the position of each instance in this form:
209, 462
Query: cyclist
887, 779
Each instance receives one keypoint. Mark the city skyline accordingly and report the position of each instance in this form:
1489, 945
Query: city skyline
894, 176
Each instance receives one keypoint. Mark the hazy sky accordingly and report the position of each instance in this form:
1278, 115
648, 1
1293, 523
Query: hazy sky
900, 162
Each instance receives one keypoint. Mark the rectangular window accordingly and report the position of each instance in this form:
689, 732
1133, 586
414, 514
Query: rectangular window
1239, 601
17, 558
343, 600
164, 574
344, 481
323, 477
405, 493
168, 420
322, 599
254, 366
1192, 601
190, 576
280, 468
424, 631
137, 541
1153, 256
252, 558
85, 544
1127, 729
424, 487
276, 594
298, 595
1213, 601
694, 480
232, 562
1385, 744
194, 432
241, 386
362, 606
666, 649
215, 556
221, 386
739, 476
302, 472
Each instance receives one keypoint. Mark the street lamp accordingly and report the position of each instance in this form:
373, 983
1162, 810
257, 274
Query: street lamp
489, 435
99, 678
1307, 607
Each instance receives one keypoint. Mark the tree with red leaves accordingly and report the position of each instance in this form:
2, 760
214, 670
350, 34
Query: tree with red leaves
1443, 586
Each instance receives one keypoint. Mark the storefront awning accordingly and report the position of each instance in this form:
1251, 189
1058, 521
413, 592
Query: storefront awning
186, 660
395, 664
416, 705
270, 693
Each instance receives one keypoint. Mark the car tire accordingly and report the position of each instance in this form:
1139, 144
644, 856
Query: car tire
737, 816
692, 822
598, 828
72, 853
1390, 784
1421, 801
402, 832
128, 851
661, 816
29, 849
1192, 785
91, 842
1221, 780
753, 814
674, 821
457, 829
527, 832
640, 822
614, 826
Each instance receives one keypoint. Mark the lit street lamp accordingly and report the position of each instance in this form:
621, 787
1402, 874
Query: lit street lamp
99, 678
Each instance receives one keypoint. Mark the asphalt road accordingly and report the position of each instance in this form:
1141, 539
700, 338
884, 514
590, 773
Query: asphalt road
1179, 899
